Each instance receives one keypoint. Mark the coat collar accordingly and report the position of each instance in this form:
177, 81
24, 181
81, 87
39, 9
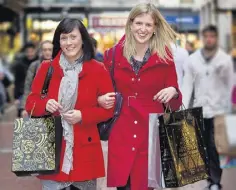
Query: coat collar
58, 69
153, 61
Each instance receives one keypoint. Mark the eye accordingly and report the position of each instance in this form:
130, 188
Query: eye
73, 37
63, 38
149, 25
138, 23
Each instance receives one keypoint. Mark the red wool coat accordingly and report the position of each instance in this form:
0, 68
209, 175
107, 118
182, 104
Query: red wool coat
128, 142
94, 80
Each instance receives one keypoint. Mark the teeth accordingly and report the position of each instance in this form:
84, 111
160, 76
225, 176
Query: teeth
142, 35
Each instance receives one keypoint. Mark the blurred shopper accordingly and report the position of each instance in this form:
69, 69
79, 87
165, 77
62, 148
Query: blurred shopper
8, 80
76, 83
2, 89
180, 56
98, 55
209, 72
45, 53
19, 70
145, 75
189, 46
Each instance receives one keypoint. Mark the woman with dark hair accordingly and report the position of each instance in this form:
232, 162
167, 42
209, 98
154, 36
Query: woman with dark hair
76, 83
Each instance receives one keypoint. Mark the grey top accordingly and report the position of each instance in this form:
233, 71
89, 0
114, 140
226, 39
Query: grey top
31, 72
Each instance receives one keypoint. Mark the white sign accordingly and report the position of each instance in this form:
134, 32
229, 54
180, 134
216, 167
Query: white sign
100, 22
45, 25
227, 4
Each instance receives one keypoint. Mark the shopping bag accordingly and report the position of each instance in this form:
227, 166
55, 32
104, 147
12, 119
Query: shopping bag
183, 153
37, 141
36, 146
154, 159
225, 134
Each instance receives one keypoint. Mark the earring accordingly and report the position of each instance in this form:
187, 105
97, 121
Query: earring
154, 33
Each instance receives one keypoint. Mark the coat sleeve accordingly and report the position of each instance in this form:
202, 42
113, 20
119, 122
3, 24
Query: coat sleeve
35, 103
171, 81
96, 114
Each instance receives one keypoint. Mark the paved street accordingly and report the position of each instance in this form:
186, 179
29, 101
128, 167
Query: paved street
9, 181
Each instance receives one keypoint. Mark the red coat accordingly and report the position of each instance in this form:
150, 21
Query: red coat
94, 80
128, 142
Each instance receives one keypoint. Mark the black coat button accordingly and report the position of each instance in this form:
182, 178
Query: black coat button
89, 139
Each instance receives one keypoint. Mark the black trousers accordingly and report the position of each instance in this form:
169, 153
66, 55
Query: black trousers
215, 172
126, 187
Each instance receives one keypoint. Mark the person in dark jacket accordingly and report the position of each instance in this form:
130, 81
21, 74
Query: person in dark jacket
19, 70
98, 55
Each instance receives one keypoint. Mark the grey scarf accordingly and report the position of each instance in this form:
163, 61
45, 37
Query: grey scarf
67, 98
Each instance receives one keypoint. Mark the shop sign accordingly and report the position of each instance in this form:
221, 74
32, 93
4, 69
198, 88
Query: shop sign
183, 19
45, 25
100, 22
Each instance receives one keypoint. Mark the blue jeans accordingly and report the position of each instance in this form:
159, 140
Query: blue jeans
54, 185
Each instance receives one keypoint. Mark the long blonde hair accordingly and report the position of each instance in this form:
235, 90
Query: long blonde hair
160, 42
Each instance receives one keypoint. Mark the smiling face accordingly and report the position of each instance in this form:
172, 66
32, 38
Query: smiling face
71, 45
142, 28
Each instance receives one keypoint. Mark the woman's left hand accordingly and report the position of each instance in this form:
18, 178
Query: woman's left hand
72, 116
166, 94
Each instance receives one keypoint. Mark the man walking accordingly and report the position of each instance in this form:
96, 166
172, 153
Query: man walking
209, 73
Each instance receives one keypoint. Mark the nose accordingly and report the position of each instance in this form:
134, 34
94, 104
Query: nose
68, 41
143, 28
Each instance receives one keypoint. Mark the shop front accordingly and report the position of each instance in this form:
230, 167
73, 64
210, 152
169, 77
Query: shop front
42, 27
108, 27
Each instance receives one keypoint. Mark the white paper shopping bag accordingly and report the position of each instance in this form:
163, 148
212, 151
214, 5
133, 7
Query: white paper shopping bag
154, 153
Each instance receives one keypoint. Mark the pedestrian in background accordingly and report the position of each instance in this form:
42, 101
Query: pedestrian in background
189, 46
2, 89
98, 55
145, 74
19, 70
180, 56
209, 72
45, 54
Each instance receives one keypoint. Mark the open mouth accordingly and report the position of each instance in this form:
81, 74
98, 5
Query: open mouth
142, 35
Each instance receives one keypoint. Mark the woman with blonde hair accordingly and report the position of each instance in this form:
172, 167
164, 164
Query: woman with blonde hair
145, 75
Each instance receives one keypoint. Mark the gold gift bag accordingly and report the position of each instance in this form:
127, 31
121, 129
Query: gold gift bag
183, 153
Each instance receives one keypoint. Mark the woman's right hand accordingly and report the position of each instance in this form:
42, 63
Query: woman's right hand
53, 106
107, 101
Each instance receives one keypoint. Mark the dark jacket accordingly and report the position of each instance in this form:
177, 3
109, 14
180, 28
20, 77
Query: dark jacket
19, 70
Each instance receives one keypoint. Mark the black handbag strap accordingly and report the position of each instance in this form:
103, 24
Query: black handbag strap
47, 80
113, 67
